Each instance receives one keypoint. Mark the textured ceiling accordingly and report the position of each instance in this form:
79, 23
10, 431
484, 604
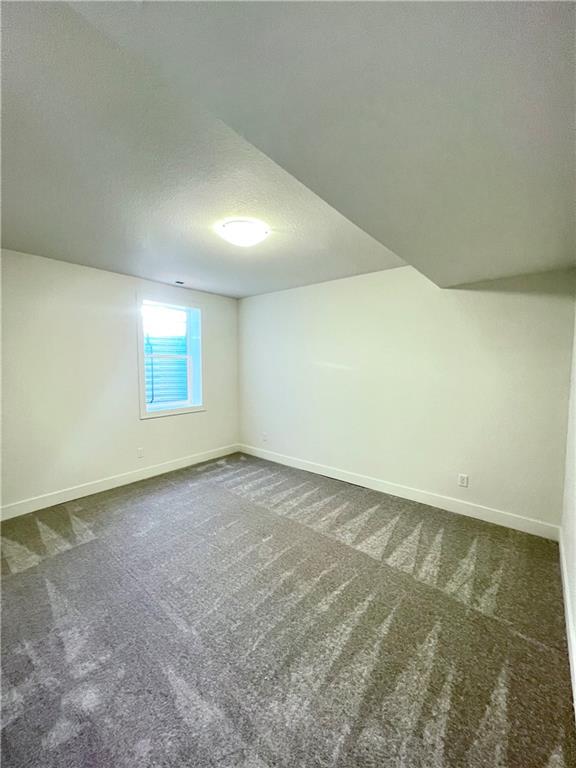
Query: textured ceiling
445, 130
104, 166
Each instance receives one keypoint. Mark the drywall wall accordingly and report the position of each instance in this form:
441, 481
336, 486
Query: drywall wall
390, 382
384, 380
568, 530
71, 421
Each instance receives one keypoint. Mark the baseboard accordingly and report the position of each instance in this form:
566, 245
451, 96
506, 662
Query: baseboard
488, 514
569, 602
478, 511
114, 481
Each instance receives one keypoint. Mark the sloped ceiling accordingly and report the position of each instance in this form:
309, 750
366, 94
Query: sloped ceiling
445, 130
366, 134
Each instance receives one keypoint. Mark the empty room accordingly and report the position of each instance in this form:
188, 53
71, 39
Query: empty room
288, 384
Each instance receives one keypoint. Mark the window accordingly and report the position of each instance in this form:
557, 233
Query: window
171, 359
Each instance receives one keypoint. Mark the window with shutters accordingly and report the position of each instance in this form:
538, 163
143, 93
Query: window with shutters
170, 359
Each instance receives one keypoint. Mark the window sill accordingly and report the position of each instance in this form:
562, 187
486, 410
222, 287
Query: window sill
173, 412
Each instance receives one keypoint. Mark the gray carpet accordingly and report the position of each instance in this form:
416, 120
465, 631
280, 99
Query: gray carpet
241, 613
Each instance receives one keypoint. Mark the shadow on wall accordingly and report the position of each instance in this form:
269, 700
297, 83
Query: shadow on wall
543, 283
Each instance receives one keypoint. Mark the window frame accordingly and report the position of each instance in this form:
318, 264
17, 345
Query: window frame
181, 305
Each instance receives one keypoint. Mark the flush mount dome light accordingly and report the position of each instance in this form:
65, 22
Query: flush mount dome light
243, 232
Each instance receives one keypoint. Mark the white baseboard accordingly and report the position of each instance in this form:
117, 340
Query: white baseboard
569, 602
106, 483
480, 512
488, 514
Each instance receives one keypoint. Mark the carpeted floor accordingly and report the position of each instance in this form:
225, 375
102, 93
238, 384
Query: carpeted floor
244, 614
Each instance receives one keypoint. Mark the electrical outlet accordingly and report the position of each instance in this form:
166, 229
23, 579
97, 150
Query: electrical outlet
463, 481
140, 453
264, 437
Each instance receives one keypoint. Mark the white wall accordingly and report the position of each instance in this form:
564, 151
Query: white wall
568, 533
382, 379
391, 382
70, 383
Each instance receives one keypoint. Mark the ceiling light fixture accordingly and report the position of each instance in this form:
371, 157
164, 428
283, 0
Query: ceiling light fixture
243, 232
